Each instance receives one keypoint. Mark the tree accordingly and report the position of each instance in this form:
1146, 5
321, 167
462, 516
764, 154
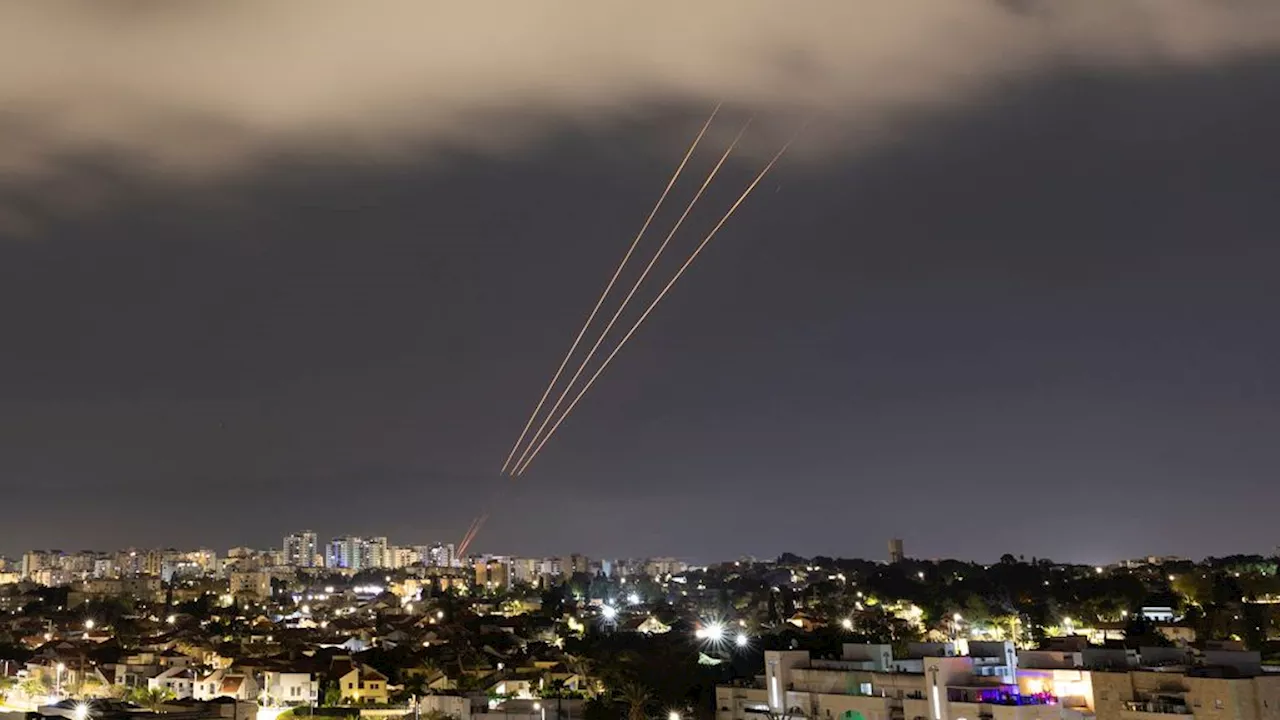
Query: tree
152, 699
636, 697
37, 685
332, 695
582, 667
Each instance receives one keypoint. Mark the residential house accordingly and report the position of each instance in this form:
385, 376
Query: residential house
179, 681
359, 683
290, 688
226, 683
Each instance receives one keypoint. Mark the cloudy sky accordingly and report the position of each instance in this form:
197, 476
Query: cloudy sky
266, 266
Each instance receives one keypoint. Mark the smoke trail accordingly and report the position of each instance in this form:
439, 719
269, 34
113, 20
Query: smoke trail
520, 470
608, 287
604, 333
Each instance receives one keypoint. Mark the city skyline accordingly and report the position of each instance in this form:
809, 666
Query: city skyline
1012, 286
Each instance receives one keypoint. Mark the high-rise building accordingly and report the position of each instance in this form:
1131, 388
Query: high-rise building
896, 555
441, 555
493, 573
34, 561
379, 553
575, 563
663, 566
300, 549
403, 557
348, 553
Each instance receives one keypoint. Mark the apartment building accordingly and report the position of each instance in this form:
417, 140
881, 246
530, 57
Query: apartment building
994, 683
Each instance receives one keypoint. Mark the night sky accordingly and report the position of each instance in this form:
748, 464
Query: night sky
1036, 317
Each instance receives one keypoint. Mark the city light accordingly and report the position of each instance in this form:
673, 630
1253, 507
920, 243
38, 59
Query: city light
741, 640
633, 598
957, 617
82, 711
88, 624
673, 715
609, 612
171, 619
920, 574
847, 624
715, 632
1098, 570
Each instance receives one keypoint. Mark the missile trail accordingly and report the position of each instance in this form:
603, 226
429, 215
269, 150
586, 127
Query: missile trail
670, 183
467, 535
625, 301
471, 534
521, 468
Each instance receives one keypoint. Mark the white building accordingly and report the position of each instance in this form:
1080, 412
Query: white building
178, 680
290, 688
300, 549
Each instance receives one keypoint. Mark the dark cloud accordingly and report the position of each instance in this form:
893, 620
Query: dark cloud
1036, 319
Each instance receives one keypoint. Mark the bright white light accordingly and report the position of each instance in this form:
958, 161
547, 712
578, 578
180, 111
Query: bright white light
920, 574
609, 612
88, 624
740, 640
537, 706
82, 711
633, 598
61, 667
306, 609
329, 589
408, 607
957, 617
439, 614
171, 619
847, 624
673, 715
1098, 570
715, 632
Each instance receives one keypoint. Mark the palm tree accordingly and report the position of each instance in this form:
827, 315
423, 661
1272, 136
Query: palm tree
637, 698
152, 699
582, 667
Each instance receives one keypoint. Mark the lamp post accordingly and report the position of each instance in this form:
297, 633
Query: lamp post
57, 688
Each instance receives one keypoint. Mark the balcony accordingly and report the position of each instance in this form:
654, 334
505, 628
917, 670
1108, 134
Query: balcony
1157, 708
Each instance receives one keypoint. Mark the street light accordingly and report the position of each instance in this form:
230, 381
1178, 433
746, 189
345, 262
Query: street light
82, 711
741, 640
847, 624
673, 715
